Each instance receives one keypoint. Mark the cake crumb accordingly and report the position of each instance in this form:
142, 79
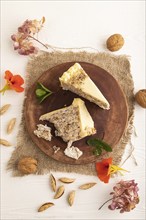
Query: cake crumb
56, 149
72, 151
43, 131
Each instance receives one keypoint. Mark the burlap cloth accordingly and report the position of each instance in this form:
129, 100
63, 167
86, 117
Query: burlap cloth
118, 66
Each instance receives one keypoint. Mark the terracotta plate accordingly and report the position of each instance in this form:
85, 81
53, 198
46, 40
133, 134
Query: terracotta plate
110, 124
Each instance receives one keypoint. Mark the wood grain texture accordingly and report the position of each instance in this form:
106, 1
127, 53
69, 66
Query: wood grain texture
110, 124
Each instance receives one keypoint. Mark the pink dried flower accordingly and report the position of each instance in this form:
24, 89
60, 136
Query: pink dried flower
125, 196
27, 48
31, 26
23, 44
25, 35
18, 40
25, 28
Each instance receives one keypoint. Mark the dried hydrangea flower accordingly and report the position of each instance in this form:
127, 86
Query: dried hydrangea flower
27, 48
125, 196
23, 38
31, 26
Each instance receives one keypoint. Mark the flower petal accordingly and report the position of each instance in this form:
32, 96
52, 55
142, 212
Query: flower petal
108, 160
19, 89
103, 166
104, 178
17, 80
102, 169
8, 75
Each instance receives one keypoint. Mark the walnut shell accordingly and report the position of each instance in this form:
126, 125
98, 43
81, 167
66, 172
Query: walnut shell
115, 42
27, 165
140, 98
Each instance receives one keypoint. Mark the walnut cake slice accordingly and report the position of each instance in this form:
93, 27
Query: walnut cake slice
72, 123
76, 80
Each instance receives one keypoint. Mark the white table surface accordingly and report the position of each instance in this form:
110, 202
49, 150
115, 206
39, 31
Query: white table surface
71, 24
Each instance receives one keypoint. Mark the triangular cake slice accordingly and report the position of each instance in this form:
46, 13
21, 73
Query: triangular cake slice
73, 122
76, 80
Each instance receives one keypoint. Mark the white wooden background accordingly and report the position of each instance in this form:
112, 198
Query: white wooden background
71, 24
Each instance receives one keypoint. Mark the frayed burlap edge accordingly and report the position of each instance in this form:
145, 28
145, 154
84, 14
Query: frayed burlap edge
118, 66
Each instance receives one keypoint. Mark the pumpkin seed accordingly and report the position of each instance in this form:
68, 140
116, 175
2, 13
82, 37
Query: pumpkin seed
71, 197
45, 206
11, 125
59, 192
4, 109
87, 186
5, 143
66, 180
53, 182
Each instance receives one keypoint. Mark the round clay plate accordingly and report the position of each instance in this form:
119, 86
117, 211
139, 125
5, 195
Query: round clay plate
110, 124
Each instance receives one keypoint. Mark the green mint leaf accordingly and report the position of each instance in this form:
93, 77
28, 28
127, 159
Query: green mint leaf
99, 145
107, 148
42, 98
104, 145
40, 92
41, 86
92, 142
97, 151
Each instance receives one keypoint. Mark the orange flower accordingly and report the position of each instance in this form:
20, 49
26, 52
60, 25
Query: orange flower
14, 82
105, 168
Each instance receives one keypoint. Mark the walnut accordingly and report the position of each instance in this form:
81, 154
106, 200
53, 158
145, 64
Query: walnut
27, 165
140, 97
115, 42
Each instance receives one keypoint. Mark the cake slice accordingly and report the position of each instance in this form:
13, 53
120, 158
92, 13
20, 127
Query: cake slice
76, 80
72, 123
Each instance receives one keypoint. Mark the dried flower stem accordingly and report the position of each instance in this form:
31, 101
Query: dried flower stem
38, 41
108, 201
105, 203
6, 87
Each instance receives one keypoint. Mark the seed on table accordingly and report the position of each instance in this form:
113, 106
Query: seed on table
11, 125
4, 108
